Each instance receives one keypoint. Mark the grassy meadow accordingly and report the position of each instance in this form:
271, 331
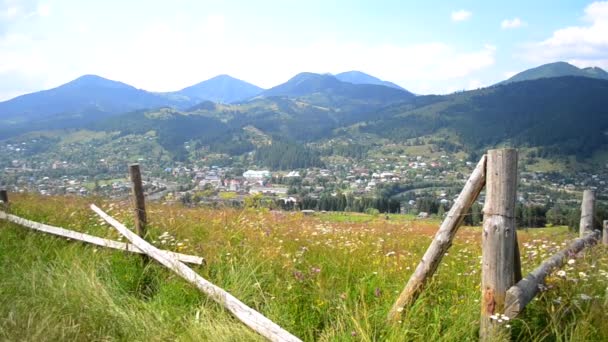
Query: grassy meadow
329, 277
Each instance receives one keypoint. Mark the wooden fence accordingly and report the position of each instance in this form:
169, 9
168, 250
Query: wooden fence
503, 289
174, 261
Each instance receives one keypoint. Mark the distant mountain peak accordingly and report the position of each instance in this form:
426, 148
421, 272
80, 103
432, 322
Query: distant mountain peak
330, 87
221, 88
91, 80
557, 69
359, 77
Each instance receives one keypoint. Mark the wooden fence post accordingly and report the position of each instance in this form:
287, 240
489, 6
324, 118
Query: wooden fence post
4, 198
587, 213
441, 243
605, 233
139, 203
498, 241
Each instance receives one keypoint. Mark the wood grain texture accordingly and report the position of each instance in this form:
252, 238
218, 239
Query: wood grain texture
441, 243
245, 314
95, 240
498, 240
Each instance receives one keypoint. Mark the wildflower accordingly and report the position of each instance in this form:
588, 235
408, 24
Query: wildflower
391, 253
571, 262
561, 273
582, 274
585, 297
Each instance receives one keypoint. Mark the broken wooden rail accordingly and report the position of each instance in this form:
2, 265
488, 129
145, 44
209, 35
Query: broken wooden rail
95, 240
520, 294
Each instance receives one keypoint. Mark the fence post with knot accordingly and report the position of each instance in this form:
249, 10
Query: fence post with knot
498, 242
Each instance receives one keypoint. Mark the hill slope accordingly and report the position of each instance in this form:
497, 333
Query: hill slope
330, 87
88, 96
557, 69
564, 115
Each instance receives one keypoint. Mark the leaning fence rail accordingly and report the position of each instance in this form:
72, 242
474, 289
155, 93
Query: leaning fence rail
244, 313
95, 240
520, 294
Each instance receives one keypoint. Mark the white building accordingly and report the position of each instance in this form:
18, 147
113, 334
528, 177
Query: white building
254, 175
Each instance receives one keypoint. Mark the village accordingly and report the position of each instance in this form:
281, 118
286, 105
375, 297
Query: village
404, 178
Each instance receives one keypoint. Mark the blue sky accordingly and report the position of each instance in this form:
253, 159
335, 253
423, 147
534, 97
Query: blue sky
425, 46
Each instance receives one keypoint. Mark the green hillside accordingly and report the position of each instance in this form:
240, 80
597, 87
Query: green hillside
557, 69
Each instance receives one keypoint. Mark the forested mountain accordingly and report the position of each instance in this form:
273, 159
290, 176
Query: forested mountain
560, 115
310, 84
358, 77
564, 115
86, 97
557, 69
220, 89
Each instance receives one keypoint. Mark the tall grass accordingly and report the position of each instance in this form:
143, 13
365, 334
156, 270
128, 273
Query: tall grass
321, 278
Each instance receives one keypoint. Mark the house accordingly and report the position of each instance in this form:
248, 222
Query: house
267, 190
254, 175
293, 174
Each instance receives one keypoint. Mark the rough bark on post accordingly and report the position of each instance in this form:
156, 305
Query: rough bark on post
587, 213
498, 240
139, 203
605, 233
442, 241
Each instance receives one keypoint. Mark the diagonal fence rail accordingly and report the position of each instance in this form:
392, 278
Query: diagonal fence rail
95, 240
253, 319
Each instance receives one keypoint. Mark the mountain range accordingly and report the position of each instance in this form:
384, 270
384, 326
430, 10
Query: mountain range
547, 107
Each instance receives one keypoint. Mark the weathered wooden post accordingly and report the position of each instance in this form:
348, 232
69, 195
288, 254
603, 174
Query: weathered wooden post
587, 213
139, 203
498, 241
441, 243
605, 233
4, 198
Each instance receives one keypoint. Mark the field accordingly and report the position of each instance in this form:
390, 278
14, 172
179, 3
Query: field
330, 277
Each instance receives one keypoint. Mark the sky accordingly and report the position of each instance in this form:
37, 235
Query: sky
427, 47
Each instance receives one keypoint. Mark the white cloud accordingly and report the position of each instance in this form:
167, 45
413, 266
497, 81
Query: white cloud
173, 54
512, 23
43, 10
11, 12
461, 15
583, 44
